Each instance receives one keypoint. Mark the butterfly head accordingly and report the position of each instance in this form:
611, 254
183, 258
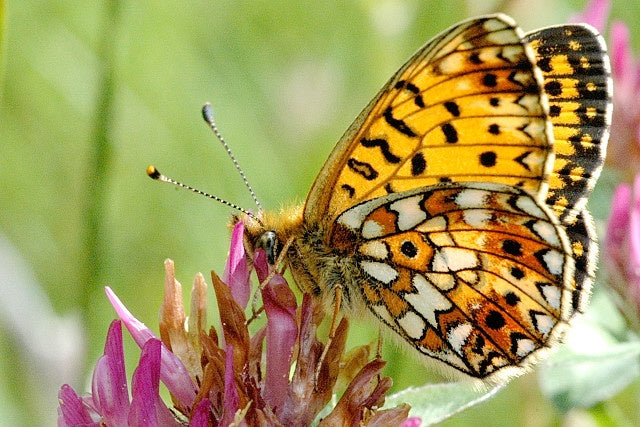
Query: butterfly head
269, 231
269, 242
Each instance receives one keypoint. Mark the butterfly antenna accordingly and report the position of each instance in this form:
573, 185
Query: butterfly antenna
155, 174
207, 114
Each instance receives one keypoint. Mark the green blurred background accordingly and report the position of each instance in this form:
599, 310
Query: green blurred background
92, 92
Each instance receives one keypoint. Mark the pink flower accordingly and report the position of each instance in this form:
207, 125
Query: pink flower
622, 243
109, 404
237, 270
282, 331
147, 407
624, 148
596, 14
216, 383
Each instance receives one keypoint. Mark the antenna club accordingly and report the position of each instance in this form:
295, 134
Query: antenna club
207, 113
153, 172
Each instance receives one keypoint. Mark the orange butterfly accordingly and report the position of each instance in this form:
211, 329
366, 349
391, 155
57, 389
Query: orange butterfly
453, 209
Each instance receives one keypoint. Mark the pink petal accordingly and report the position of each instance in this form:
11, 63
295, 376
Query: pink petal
71, 410
231, 398
147, 408
596, 13
200, 417
173, 373
411, 422
282, 332
109, 386
621, 55
237, 270
618, 223
634, 238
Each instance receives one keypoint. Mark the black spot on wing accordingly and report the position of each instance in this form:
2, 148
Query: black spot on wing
363, 169
450, 133
397, 124
488, 159
418, 164
452, 108
384, 148
349, 189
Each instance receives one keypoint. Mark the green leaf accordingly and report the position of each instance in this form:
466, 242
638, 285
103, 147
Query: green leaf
434, 403
573, 379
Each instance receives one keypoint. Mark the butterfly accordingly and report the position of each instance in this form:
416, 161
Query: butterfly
453, 210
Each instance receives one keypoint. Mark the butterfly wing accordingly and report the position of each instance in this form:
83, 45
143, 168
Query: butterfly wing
583, 240
468, 106
474, 275
577, 81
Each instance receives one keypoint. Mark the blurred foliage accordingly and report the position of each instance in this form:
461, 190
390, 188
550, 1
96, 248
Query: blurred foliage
92, 92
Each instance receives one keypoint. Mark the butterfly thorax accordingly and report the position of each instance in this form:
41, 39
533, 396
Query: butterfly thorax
318, 259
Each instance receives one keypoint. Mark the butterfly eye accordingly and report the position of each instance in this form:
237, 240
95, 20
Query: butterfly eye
268, 241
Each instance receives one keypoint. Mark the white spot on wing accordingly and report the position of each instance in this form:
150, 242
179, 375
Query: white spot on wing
371, 229
383, 313
532, 104
412, 324
552, 295
458, 335
375, 249
547, 231
427, 300
494, 24
380, 271
472, 198
453, 259
443, 281
409, 212
353, 217
513, 53
554, 261
437, 223
469, 276
477, 217
452, 64
544, 323
527, 205
442, 238
524, 346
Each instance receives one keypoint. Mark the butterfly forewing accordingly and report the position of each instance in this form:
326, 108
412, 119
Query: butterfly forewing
473, 274
577, 81
469, 106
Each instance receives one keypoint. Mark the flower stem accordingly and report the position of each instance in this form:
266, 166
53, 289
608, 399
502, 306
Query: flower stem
99, 162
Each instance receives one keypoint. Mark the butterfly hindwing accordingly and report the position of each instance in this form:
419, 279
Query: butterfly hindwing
475, 275
583, 240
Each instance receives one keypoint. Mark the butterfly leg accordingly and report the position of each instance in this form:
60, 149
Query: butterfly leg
255, 310
379, 343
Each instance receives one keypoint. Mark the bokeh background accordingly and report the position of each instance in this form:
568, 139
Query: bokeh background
92, 92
